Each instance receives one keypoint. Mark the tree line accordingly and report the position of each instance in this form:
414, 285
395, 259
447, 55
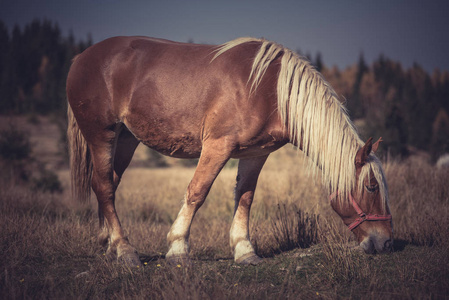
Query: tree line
407, 107
34, 62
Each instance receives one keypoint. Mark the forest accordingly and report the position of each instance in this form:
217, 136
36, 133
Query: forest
407, 107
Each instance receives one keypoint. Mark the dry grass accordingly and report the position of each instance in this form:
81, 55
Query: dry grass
49, 250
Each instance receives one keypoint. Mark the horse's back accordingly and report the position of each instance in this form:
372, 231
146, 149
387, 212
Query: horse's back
170, 95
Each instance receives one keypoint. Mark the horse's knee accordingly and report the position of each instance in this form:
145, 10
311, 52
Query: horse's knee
195, 198
195, 202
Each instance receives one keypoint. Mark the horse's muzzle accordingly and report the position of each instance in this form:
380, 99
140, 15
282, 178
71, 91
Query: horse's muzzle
373, 244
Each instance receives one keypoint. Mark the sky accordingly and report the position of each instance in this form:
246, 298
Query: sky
405, 31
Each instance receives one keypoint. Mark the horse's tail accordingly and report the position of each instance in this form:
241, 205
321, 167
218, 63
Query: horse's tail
80, 160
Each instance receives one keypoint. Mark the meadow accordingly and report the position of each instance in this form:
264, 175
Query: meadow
49, 248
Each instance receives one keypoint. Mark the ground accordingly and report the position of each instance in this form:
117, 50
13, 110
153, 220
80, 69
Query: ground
49, 248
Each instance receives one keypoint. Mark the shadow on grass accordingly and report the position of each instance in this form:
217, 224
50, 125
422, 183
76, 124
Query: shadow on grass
400, 244
146, 258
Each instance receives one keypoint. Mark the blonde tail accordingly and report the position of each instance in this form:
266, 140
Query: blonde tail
80, 160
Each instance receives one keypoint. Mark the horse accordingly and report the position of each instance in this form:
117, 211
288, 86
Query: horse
243, 99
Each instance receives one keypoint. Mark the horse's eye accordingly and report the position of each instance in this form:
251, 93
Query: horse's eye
372, 188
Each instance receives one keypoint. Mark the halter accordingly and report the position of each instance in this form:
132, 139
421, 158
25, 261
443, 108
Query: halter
362, 216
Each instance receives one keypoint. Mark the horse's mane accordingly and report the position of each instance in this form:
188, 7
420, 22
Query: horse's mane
315, 118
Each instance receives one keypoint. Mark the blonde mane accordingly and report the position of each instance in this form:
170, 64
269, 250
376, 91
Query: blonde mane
316, 120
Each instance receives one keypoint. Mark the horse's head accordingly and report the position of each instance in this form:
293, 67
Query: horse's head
366, 212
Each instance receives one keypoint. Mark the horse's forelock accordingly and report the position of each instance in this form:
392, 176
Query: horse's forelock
374, 166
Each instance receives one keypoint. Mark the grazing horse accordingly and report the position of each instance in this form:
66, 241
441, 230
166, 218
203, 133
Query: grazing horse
243, 99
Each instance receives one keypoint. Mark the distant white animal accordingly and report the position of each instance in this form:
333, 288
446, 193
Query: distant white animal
443, 161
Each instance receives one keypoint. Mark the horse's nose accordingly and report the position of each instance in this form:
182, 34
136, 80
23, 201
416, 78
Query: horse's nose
368, 246
388, 246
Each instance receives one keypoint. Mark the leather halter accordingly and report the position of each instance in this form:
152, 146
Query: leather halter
362, 216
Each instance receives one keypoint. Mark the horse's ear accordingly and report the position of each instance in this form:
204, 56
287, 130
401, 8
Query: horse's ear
363, 153
376, 145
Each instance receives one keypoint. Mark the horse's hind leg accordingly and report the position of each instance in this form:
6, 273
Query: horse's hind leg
213, 157
124, 150
104, 184
248, 173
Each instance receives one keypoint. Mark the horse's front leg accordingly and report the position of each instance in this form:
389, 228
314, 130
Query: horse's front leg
213, 157
248, 173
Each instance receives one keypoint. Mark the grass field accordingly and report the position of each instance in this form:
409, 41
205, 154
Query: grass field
49, 250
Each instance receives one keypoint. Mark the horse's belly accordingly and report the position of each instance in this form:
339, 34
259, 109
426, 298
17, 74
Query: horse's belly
258, 149
183, 146
179, 145
187, 147
167, 134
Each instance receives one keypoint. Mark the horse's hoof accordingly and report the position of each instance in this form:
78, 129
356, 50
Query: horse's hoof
103, 239
130, 259
249, 259
175, 260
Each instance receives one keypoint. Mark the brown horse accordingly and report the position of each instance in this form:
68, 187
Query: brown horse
244, 99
